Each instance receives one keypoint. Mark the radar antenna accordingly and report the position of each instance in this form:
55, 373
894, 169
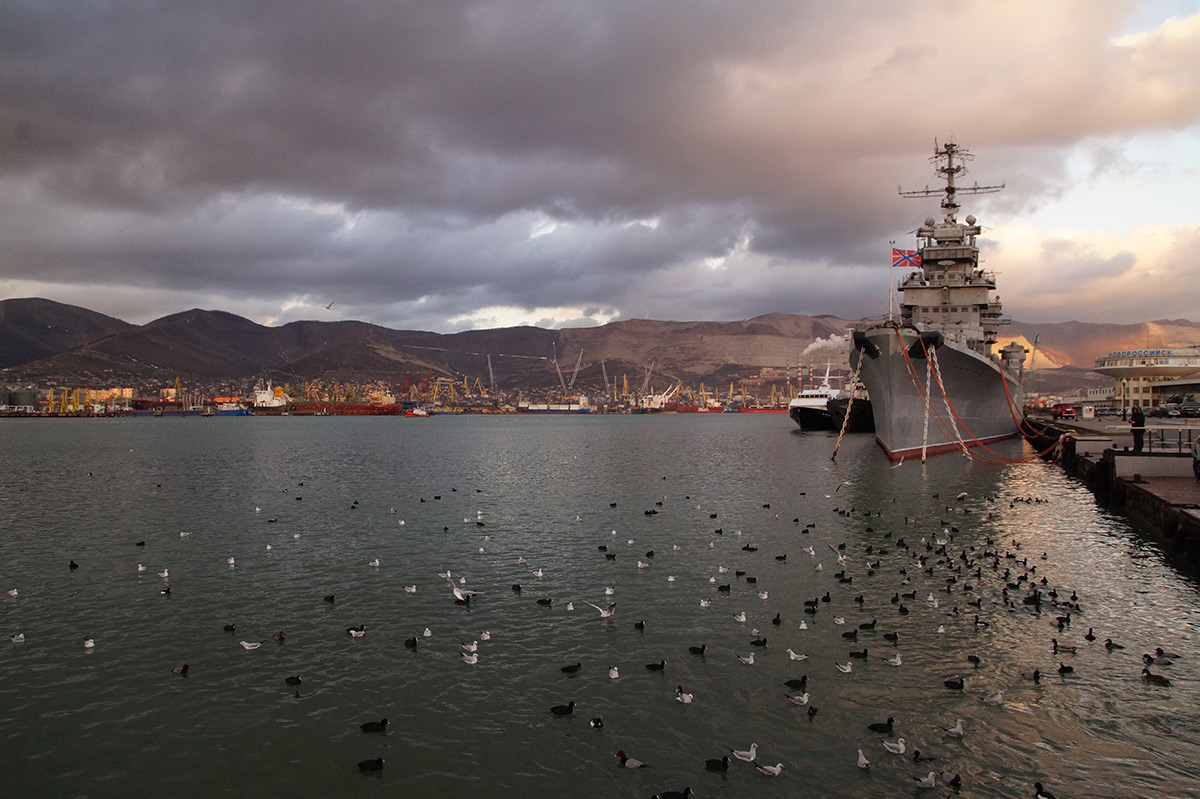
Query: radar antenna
949, 162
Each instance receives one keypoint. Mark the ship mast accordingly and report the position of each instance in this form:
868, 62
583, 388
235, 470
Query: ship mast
950, 162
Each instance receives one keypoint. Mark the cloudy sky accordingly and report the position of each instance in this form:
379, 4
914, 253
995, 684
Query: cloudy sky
461, 164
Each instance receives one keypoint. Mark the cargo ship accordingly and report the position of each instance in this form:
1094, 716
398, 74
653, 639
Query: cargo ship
580, 405
935, 384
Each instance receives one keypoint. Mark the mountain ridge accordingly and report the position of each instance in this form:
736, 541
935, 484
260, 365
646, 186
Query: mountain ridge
215, 347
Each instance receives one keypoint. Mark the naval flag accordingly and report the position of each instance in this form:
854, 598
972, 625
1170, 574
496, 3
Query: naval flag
906, 258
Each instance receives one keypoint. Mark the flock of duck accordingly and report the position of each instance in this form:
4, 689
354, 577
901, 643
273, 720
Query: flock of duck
928, 574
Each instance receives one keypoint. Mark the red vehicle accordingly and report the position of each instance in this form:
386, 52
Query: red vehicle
1063, 411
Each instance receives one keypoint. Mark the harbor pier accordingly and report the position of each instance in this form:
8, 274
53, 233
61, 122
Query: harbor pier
1155, 486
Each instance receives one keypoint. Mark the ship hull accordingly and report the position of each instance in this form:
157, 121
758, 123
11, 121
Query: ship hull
981, 394
862, 418
811, 417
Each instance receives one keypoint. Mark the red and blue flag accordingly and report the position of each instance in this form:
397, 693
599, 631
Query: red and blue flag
910, 258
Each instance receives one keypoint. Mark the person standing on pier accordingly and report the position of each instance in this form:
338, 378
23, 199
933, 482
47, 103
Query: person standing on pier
1196, 457
1137, 425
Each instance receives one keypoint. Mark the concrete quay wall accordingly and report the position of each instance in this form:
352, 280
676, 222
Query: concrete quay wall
1157, 489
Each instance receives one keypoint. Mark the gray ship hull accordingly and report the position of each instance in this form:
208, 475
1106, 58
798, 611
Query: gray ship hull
981, 395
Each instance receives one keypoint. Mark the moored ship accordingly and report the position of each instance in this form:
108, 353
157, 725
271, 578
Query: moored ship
810, 408
934, 383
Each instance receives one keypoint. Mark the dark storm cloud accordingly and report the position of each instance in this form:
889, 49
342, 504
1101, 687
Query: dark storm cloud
420, 162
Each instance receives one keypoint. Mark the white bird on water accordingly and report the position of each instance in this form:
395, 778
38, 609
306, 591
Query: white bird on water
471, 647
929, 781
230, 561
705, 603
13, 592
410, 589
862, 760
19, 638
794, 656
748, 659
956, 730
249, 645
374, 562
748, 755
896, 748
995, 699
771, 771
470, 658
849, 667
802, 699
163, 573
428, 632
680, 696
485, 636
88, 643
609, 591
740, 617
803, 625
605, 613
894, 660
613, 673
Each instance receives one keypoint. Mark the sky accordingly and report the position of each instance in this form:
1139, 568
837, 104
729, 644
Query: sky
466, 164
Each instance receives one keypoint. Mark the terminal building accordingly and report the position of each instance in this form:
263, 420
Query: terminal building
1150, 377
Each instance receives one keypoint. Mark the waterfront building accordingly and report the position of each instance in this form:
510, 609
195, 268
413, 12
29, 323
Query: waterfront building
1139, 375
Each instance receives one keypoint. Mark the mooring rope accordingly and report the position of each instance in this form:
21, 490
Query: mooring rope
849, 405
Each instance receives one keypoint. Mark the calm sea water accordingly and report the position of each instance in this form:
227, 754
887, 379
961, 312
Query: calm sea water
475, 496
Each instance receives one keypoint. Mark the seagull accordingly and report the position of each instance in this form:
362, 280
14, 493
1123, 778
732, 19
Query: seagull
605, 613
485, 636
613, 673
794, 656
19, 638
748, 755
748, 659
956, 730
88, 643
705, 603
894, 661
163, 573
330, 306
771, 771
230, 561
249, 645
681, 696
740, 617
471, 647
995, 699
470, 658
802, 699
140, 568
849, 667
929, 781
412, 589
357, 632
427, 633
374, 562
896, 748
862, 760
